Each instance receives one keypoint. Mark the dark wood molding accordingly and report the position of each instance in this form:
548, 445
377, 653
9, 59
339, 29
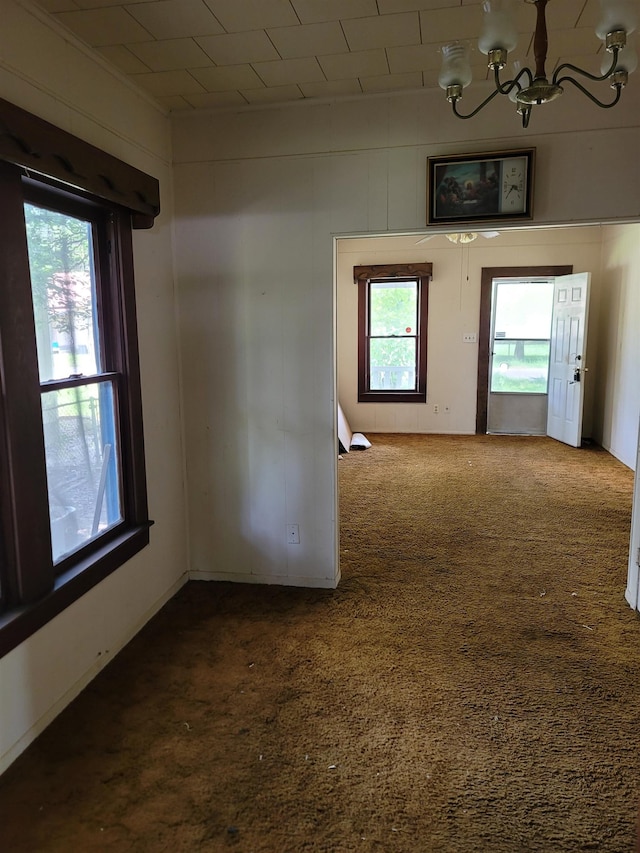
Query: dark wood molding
33, 589
419, 270
362, 276
19, 623
484, 329
36, 145
23, 492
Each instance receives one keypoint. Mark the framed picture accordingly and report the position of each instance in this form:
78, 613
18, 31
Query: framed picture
466, 189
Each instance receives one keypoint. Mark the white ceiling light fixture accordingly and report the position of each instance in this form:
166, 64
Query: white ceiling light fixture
467, 237
499, 36
462, 237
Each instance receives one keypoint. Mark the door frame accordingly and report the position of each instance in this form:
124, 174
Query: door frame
484, 327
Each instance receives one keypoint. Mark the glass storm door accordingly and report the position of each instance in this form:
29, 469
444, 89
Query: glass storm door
521, 315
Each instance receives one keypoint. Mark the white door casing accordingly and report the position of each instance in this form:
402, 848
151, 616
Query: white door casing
633, 575
567, 366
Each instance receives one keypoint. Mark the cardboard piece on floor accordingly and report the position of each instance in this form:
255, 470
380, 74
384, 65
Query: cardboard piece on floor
344, 432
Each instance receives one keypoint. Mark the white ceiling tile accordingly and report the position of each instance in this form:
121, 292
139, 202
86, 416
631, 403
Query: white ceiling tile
581, 42
293, 43
366, 63
456, 23
308, 40
240, 15
388, 7
563, 15
390, 82
122, 58
171, 54
331, 88
168, 83
418, 57
228, 77
288, 71
209, 100
104, 26
97, 4
590, 15
315, 11
239, 48
385, 31
591, 64
176, 18
272, 96
173, 102
58, 5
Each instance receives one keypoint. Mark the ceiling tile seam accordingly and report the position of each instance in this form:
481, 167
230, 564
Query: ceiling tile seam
217, 19
136, 22
79, 44
582, 12
295, 12
266, 32
128, 49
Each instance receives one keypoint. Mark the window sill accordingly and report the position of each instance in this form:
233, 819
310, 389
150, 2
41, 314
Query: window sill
18, 624
392, 397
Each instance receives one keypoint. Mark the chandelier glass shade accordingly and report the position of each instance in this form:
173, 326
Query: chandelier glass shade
527, 87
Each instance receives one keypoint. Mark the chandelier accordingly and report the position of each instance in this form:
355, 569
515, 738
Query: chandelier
528, 88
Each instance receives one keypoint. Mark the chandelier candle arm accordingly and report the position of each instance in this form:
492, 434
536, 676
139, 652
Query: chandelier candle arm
499, 37
619, 86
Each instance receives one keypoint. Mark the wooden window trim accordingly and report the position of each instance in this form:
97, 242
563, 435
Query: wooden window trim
363, 275
33, 590
44, 149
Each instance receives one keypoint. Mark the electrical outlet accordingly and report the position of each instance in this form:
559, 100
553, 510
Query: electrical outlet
436, 408
293, 534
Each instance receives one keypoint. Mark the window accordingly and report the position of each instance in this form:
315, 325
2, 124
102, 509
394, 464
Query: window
521, 336
392, 333
73, 503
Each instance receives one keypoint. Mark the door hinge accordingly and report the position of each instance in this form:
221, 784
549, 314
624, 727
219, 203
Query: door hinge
638, 556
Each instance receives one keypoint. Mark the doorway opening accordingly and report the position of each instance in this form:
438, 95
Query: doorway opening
513, 349
521, 313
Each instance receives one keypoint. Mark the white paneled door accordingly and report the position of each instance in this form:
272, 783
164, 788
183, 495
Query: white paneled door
567, 358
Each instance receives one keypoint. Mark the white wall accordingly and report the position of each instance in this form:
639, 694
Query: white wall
454, 309
260, 195
619, 359
54, 77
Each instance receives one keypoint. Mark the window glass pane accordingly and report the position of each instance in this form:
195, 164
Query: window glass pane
523, 309
520, 366
82, 464
63, 290
394, 308
392, 364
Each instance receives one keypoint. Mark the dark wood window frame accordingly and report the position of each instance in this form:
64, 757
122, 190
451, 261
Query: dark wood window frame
484, 333
363, 276
43, 165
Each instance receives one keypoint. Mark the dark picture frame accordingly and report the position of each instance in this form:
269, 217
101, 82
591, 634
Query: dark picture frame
471, 188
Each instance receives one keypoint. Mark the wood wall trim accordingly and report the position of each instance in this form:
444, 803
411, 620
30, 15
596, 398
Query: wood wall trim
419, 270
41, 147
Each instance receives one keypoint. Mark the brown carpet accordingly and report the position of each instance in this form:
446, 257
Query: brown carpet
473, 684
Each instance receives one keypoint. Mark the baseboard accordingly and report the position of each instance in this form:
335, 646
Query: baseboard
38, 727
264, 580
